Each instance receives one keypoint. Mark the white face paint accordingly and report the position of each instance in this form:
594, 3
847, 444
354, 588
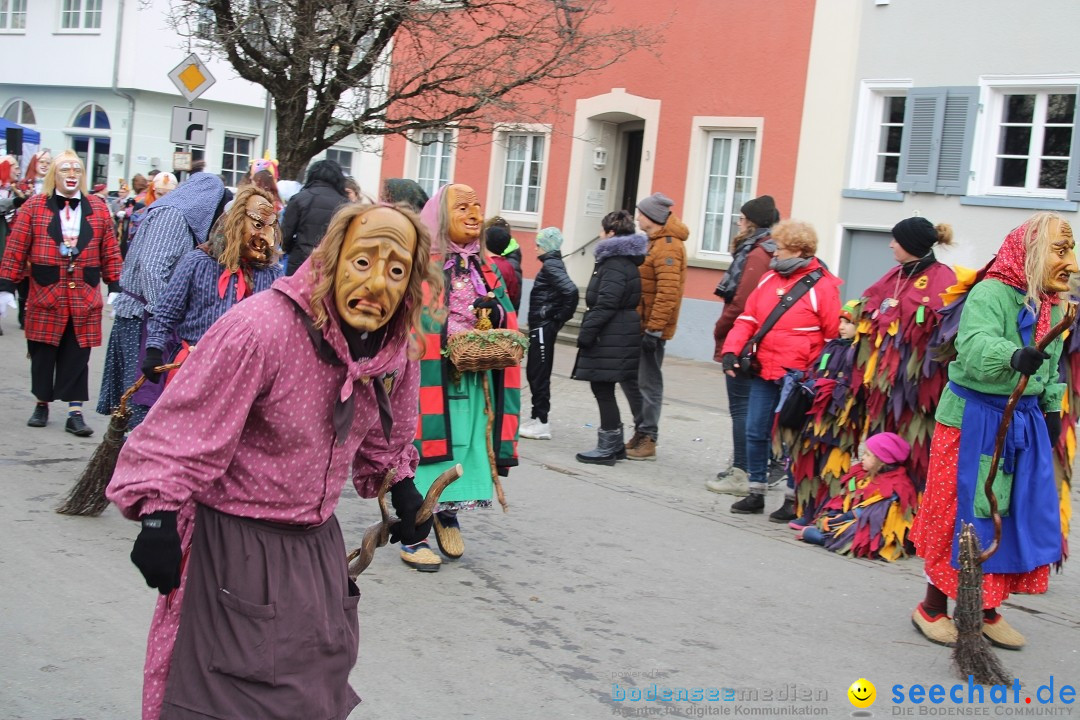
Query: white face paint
68, 176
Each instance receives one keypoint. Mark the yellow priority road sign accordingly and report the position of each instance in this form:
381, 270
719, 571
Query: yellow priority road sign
191, 77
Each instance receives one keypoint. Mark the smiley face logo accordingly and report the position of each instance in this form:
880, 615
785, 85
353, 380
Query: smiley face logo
862, 693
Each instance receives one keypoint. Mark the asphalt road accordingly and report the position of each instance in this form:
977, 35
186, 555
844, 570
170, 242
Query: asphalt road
598, 582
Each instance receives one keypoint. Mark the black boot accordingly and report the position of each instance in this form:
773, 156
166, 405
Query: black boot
40, 417
76, 426
752, 504
785, 513
609, 445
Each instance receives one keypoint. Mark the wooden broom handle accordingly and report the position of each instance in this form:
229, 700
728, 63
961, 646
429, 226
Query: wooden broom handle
122, 407
1003, 430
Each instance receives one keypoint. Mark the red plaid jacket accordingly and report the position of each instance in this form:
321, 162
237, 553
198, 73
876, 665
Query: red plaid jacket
61, 290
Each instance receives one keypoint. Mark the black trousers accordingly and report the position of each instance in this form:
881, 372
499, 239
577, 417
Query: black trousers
538, 368
604, 392
60, 372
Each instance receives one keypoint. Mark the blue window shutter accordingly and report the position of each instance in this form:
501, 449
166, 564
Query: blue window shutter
924, 115
1072, 184
957, 134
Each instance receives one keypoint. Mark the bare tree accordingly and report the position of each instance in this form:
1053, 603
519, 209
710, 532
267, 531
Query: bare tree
387, 67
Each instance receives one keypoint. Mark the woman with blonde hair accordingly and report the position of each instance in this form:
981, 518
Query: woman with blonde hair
793, 342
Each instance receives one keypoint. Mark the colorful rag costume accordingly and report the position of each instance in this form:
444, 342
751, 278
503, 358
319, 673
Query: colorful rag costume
902, 380
453, 422
994, 324
869, 517
252, 444
821, 454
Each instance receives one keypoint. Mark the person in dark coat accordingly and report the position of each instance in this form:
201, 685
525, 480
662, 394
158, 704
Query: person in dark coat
754, 249
308, 214
496, 240
510, 251
552, 302
609, 342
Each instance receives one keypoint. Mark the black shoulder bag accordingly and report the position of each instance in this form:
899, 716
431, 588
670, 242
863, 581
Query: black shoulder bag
749, 365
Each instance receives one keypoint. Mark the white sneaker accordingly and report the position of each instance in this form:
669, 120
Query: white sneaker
535, 430
735, 483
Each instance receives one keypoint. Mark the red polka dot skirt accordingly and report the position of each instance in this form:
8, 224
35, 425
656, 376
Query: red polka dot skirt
932, 532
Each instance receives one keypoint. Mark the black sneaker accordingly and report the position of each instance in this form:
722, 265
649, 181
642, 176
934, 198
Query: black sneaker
77, 427
40, 418
786, 512
752, 504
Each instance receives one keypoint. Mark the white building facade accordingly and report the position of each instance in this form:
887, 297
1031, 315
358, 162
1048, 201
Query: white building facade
92, 75
964, 112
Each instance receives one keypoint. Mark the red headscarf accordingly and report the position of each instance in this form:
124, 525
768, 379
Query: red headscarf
1008, 267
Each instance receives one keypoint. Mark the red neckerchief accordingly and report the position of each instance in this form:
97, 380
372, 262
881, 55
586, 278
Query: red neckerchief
1008, 267
242, 289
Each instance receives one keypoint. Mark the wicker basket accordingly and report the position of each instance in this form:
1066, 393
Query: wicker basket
476, 350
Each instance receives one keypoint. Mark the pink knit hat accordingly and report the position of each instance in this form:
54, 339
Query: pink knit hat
889, 447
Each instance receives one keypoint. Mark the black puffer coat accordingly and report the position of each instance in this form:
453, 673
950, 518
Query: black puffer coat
306, 218
609, 343
554, 295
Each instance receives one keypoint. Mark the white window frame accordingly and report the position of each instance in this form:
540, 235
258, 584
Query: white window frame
348, 170
250, 157
526, 220
993, 89
414, 149
872, 95
83, 11
703, 129
21, 118
10, 11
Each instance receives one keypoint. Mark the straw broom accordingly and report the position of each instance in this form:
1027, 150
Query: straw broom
973, 655
87, 498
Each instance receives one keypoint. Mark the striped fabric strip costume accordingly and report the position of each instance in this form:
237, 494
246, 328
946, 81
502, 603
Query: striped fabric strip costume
433, 440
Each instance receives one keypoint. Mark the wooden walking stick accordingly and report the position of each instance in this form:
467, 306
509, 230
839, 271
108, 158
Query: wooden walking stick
88, 496
973, 654
490, 448
378, 534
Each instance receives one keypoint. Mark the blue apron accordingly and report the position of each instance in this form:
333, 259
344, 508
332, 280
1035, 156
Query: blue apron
1025, 486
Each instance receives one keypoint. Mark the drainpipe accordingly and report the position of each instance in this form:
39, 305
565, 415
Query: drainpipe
116, 89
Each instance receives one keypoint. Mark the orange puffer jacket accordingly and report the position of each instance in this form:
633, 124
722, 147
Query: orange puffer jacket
663, 275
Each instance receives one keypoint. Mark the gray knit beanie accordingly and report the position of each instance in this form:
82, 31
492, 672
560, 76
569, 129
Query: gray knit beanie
656, 207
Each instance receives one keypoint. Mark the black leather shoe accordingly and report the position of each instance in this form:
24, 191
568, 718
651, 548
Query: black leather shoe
76, 426
752, 504
40, 417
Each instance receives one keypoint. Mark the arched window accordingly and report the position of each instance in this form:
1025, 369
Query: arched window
91, 116
90, 140
19, 111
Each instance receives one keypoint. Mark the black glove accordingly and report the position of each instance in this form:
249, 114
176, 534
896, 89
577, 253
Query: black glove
1053, 427
729, 362
407, 500
491, 303
151, 361
1027, 360
649, 343
157, 551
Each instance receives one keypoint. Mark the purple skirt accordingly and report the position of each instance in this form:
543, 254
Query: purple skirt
268, 628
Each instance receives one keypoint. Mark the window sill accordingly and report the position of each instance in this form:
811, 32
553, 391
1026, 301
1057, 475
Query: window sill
78, 31
528, 222
891, 196
15, 31
708, 264
1023, 203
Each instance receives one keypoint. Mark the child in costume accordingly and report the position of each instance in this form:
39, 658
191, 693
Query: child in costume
823, 452
871, 515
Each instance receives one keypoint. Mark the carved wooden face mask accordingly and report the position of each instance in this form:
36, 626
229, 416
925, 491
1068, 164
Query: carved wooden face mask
1061, 261
465, 213
258, 229
374, 268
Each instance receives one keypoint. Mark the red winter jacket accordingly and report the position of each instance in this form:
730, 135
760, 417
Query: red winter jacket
796, 340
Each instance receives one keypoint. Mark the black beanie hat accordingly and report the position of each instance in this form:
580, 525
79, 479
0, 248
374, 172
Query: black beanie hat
916, 235
497, 239
761, 211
